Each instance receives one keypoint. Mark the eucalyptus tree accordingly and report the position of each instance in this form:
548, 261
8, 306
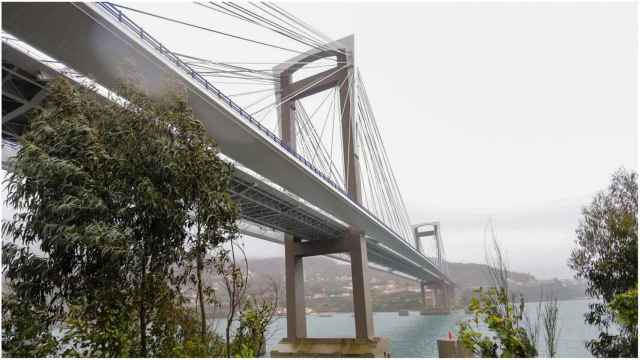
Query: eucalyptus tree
213, 213
606, 256
74, 248
106, 194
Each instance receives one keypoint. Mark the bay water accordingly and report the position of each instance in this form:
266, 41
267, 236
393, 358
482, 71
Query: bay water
416, 335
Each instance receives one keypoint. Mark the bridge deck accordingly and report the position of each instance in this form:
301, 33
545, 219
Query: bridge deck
93, 42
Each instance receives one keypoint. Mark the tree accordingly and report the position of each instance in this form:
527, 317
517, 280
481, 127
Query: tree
551, 327
606, 256
107, 191
213, 213
235, 283
247, 314
256, 315
494, 308
62, 201
625, 307
26, 329
513, 332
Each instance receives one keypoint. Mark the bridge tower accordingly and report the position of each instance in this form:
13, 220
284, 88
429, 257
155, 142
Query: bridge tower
354, 243
287, 92
442, 293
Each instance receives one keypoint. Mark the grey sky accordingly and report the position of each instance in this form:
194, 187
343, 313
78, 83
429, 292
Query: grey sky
516, 111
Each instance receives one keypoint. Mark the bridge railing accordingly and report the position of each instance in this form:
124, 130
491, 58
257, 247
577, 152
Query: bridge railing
158, 46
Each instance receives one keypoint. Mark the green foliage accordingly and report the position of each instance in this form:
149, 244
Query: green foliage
26, 329
106, 194
551, 327
513, 333
246, 351
251, 314
625, 307
235, 284
254, 319
607, 257
493, 308
99, 331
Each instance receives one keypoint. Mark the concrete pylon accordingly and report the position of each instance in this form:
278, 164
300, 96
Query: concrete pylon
354, 243
340, 76
441, 290
443, 296
362, 308
286, 112
296, 344
296, 319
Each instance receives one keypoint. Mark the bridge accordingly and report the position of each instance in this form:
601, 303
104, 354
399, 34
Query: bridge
290, 185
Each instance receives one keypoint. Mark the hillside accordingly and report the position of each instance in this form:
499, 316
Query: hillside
315, 268
474, 275
328, 284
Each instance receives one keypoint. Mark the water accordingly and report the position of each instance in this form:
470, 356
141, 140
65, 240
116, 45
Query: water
415, 335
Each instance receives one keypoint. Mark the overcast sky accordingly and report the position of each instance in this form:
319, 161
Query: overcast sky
519, 112
516, 112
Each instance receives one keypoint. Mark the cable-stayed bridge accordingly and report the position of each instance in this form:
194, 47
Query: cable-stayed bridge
312, 171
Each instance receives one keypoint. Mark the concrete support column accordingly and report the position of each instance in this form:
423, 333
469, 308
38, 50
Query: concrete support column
439, 297
424, 295
433, 302
436, 301
294, 275
349, 155
287, 119
444, 300
362, 308
445, 297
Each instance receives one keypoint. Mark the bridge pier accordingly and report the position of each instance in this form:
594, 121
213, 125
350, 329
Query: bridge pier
296, 320
362, 310
355, 245
441, 292
442, 299
297, 344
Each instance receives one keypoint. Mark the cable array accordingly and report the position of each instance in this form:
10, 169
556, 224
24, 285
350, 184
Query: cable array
381, 193
253, 84
249, 84
319, 136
